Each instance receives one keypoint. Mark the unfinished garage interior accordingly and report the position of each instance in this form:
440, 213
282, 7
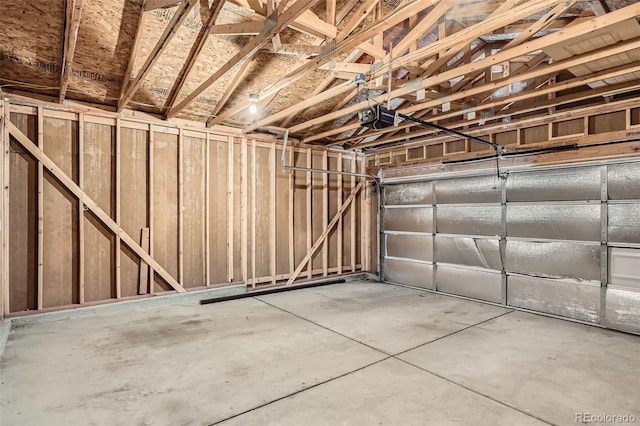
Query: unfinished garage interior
320, 212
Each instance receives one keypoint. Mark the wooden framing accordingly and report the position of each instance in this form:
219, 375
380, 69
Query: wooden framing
321, 240
283, 19
502, 19
73, 9
247, 154
198, 44
6, 146
81, 233
90, 204
169, 32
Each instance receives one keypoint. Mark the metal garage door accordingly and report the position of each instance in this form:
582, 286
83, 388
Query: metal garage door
564, 241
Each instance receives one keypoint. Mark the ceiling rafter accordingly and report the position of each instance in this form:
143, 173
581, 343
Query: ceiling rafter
532, 92
198, 44
170, 31
73, 12
572, 32
537, 106
233, 85
398, 15
273, 25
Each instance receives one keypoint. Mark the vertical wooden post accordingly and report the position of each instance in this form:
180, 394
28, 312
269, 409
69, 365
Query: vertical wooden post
272, 212
118, 192
365, 222
180, 208
143, 274
325, 213
340, 224
352, 234
243, 210
253, 213
80, 203
292, 265
150, 200
309, 194
5, 211
40, 275
207, 211
230, 210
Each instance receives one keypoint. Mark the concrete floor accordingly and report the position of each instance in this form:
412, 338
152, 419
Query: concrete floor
349, 354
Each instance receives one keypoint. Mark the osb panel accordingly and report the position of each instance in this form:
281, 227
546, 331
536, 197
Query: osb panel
99, 243
22, 220
134, 169
105, 39
218, 163
165, 203
282, 217
262, 176
193, 164
31, 42
60, 219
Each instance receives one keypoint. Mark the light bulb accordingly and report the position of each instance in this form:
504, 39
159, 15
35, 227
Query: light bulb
253, 109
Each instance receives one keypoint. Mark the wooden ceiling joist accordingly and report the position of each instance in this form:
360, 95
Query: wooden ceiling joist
272, 26
198, 44
415, 136
169, 32
237, 79
73, 12
531, 93
502, 56
150, 5
398, 15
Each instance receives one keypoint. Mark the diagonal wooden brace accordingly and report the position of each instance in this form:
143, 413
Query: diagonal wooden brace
59, 174
326, 232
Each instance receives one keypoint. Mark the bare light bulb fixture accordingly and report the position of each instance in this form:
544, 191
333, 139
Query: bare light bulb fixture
253, 97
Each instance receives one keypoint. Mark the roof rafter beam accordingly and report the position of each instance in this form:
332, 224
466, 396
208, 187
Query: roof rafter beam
242, 28
198, 44
540, 71
73, 9
398, 15
589, 25
273, 25
171, 30
541, 105
150, 5
232, 86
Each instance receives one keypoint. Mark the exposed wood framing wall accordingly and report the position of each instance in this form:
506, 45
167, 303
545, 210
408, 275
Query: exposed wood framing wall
100, 208
584, 127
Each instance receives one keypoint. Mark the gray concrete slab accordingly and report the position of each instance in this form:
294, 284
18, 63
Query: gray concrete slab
173, 365
387, 317
551, 368
388, 393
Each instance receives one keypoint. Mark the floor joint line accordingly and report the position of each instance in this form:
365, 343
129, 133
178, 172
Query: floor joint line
474, 391
453, 332
300, 391
324, 327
